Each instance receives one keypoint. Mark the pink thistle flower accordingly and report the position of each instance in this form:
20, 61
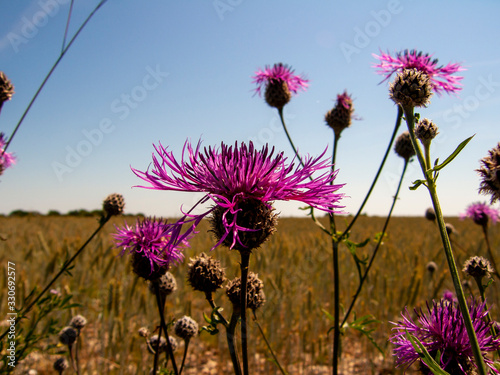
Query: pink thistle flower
237, 178
154, 240
442, 329
281, 73
481, 213
441, 77
6, 158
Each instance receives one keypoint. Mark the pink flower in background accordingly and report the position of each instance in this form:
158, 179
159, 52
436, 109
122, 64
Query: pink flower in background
441, 77
155, 240
281, 73
481, 213
6, 158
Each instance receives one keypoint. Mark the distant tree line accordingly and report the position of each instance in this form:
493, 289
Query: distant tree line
75, 213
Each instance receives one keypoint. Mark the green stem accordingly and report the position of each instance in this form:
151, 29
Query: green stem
280, 111
230, 335
268, 345
431, 186
161, 311
63, 52
65, 266
230, 329
245, 260
386, 224
184, 356
387, 151
490, 253
336, 278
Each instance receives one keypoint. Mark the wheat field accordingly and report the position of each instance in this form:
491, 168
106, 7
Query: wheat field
295, 266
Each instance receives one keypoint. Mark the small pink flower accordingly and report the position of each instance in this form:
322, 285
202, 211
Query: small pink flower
441, 77
6, 158
282, 73
481, 213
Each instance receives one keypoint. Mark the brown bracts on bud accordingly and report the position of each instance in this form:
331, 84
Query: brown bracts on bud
340, 116
411, 88
490, 174
253, 214
403, 146
113, 205
277, 94
255, 292
205, 274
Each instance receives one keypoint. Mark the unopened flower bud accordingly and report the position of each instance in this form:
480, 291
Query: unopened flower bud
403, 146
186, 328
478, 267
68, 335
205, 273
113, 204
255, 291
426, 131
411, 88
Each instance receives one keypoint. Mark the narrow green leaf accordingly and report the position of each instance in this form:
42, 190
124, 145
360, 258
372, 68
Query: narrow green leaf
416, 184
450, 158
425, 356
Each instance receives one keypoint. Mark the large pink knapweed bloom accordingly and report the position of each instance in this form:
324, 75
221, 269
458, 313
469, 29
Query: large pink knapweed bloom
481, 213
441, 330
154, 240
6, 158
233, 177
441, 77
282, 73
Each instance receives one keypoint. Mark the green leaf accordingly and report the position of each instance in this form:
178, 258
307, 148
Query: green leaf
425, 356
361, 325
450, 158
416, 184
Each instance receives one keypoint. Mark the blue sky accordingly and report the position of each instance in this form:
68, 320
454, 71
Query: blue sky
144, 72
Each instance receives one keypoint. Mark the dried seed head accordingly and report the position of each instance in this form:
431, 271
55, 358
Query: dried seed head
153, 342
141, 265
205, 273
411, 88
252, 214
68, 335
431, 267
186, 328
61, 364
478, 267
277, 93
6, 88
426, 131
255, 291
113, 204
430, 214
166, 284
403, 146
450, 229
78, 322
143, 332
490, 173
340, 116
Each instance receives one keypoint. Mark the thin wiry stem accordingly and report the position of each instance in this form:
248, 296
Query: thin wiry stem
268, 345
336, 278
64, 268
67, 25
389, 146
245, 260
377, 246
186, 345
63, 52
161, 311
230, 329
431, 187
230, 335
490, 253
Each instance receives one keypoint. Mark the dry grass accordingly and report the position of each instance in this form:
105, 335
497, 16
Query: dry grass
295, 265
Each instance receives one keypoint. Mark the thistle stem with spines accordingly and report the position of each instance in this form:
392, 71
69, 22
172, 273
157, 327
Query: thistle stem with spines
431, 186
